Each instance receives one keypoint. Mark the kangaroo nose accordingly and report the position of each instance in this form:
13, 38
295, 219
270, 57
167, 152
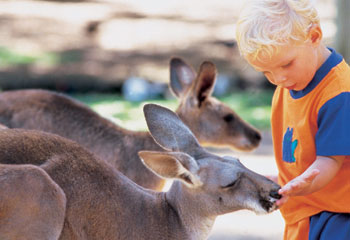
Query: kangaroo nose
254, 136
275, 194
258, 136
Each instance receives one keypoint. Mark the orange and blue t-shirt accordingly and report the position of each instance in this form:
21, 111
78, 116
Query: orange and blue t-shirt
314, 122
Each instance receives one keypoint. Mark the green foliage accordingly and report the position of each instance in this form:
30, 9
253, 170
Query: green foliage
253, 107
9, 57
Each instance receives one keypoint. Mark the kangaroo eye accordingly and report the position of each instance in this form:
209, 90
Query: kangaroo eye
229, 117
232, 184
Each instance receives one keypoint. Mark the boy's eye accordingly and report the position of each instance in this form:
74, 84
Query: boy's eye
287, 65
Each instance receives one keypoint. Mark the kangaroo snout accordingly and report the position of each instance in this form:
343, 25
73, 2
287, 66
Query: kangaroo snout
275, 194
269, 203
256, 138
269, 195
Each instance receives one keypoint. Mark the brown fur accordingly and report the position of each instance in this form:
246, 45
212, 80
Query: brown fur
104, 204
211, 121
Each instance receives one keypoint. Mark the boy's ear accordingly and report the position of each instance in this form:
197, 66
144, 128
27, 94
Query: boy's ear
315, 34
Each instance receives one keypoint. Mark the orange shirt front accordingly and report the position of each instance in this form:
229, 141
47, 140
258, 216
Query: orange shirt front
311, 122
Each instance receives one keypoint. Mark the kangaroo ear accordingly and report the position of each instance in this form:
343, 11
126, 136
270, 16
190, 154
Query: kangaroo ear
181, 76
172, 165
169, 131
205, 82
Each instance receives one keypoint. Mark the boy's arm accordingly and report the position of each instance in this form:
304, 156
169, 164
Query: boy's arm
318, 175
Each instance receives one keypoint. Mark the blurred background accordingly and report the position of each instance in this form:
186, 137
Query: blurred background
114, 56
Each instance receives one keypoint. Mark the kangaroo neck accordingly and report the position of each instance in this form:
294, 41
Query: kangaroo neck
195, 222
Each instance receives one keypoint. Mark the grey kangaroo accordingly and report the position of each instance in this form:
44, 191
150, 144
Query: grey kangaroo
212, 122
104, 204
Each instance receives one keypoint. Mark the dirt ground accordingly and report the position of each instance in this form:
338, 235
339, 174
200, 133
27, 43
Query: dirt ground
87, 45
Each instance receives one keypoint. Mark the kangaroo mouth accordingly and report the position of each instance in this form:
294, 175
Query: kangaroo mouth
269, 204
245, 144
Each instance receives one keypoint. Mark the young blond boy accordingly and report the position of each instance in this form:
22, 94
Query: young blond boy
310, 114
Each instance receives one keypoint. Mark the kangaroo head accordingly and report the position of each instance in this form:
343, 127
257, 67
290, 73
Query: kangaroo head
216, 185
211, 121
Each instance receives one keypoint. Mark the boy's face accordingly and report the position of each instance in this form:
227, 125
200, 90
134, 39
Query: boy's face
292, 66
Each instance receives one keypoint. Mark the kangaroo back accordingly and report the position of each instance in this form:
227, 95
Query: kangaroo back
56, 113
97, 195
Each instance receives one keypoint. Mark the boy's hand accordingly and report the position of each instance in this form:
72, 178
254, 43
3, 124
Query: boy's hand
297, 187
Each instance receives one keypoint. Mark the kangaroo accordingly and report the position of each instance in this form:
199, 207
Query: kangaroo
32, 205
212, 122
104, 204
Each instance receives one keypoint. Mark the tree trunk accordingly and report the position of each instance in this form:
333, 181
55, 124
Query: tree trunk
342, 39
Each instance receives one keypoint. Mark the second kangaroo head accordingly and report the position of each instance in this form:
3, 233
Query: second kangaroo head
211, 121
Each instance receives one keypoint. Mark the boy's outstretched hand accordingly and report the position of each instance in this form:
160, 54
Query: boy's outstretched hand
300, 185
315, 177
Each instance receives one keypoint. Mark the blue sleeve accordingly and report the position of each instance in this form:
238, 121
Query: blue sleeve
333, 135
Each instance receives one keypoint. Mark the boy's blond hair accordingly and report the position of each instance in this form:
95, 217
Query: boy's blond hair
265, 24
